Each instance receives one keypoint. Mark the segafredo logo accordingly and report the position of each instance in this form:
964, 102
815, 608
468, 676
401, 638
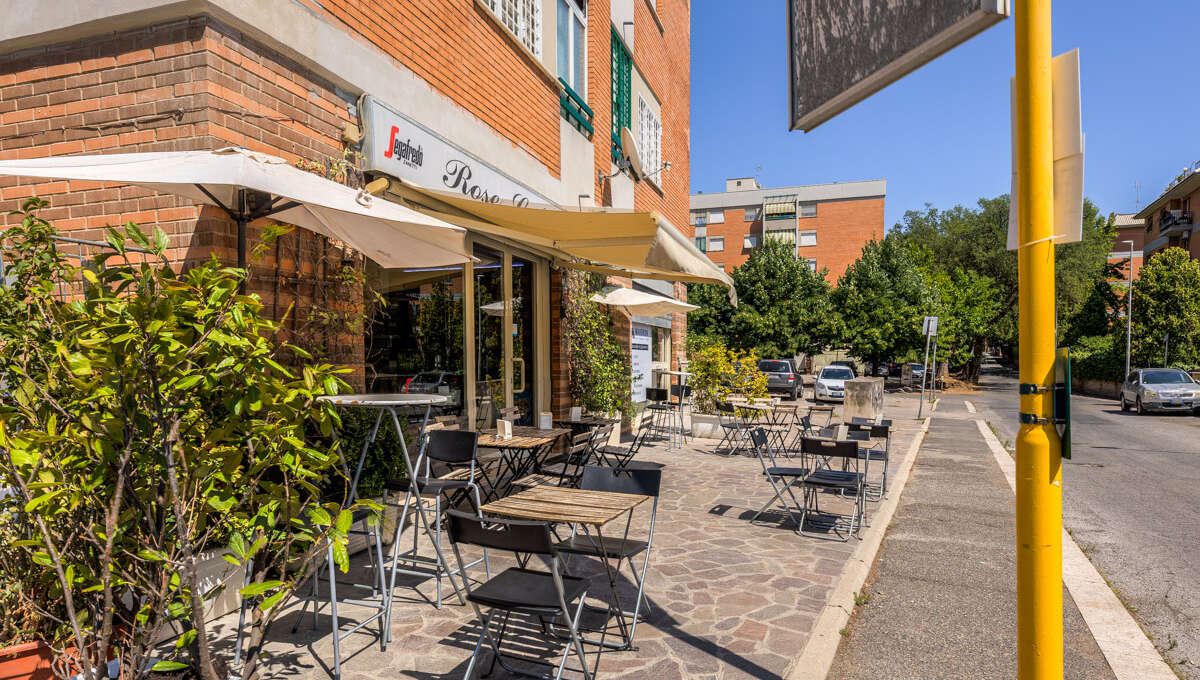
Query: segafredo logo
404, 150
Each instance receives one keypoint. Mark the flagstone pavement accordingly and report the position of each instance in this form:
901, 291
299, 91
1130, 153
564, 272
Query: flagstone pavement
729, 599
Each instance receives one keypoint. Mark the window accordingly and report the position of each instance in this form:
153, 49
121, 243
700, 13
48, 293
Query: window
808, 209
700, 230
700, 244
622, 74
716, 217
716, 244
699, 218
808, 238
812, 263
750, 241
650, 141
753, 213
572, 44
782, 235
523, 18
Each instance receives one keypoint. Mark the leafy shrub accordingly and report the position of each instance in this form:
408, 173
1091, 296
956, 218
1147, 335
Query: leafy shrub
1099, 357
598, 367
719, 372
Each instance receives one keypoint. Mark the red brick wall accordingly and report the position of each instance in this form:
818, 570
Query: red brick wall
461, 51
183, 86
843, 228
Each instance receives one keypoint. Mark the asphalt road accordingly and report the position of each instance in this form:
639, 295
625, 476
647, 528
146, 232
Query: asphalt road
1131, 500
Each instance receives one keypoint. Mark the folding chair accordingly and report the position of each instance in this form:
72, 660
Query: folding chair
616, 457
453, 448
827, 479
540, 595
874, 432
733, 426
564, 469
781, 478
658, 404
646, 482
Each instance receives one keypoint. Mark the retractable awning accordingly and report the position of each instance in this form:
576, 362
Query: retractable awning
604, 240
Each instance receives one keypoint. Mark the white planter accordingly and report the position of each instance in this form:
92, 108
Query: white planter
706, 426
212, 570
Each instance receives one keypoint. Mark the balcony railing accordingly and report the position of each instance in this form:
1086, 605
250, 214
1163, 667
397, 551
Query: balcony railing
1174, 219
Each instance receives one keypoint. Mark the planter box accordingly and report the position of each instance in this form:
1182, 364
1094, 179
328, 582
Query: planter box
705, 426
864, 398
1100, 388
28, 661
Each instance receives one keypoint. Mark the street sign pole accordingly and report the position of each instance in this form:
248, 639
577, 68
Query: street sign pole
924, 372
1039, 464
933, 377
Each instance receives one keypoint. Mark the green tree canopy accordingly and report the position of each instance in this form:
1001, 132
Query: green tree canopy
881, 299
783, 307
1166, 299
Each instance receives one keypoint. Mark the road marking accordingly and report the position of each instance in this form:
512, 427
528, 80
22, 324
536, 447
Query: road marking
1130, 654
970, 406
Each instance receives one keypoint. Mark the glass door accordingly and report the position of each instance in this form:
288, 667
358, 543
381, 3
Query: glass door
491, 397
524, 358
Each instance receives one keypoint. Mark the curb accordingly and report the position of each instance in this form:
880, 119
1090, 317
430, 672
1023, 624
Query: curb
1129, 653
816, 658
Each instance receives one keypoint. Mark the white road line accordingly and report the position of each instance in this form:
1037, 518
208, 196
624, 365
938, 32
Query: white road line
1129, 652
970, 406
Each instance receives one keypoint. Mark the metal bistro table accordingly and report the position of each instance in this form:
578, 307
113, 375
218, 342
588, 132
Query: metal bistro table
519, 455
381, 403
576, 506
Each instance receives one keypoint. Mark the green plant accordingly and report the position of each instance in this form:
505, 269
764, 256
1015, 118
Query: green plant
598, 368
719, 372
149, 421
29, 597
862, 599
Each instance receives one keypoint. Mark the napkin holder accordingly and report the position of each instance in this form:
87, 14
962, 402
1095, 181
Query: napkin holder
576, 414
545, 420
504, 429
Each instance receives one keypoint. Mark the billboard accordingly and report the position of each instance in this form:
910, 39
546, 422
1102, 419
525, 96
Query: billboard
842, 51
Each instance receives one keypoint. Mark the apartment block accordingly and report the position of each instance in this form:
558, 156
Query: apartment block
1169, 220
827, 224
1131, 236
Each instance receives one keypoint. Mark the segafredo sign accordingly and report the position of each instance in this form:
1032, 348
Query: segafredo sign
399, 146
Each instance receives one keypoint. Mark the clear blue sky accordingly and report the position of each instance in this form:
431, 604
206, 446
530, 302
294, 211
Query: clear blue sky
941, 134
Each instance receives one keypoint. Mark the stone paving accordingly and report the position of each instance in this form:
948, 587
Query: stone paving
729, 599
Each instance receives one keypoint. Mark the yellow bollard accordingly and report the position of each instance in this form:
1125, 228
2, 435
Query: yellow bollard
1039, 471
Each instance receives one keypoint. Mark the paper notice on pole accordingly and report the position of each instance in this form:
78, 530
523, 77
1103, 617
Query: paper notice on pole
1068, 153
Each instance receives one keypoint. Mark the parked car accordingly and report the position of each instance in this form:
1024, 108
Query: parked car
1160, 389
918, 370
831, 383
781, 376
428, 382
848, 364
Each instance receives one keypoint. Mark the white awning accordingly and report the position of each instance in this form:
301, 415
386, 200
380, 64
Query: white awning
250, 185
641, 303
605, 240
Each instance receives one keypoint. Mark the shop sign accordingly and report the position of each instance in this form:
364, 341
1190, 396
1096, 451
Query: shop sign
399, 146
639, 361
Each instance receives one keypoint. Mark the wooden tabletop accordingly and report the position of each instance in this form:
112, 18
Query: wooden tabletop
586, 420
524, 437
560, 504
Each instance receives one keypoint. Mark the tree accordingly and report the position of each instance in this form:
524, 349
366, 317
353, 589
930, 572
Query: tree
783, 308
1166, 299
964, 302
881, 299
598, 368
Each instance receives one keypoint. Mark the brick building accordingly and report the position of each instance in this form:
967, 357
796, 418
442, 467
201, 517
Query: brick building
1129, 229
828, 223
520, 102
1169, 220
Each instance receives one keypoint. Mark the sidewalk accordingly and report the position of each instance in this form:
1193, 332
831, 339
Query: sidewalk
942, 593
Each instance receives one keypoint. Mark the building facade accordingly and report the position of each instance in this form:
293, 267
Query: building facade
523, 101
1169, 222
1131, 234
828, 224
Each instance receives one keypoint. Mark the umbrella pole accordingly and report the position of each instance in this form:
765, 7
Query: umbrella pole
241, 236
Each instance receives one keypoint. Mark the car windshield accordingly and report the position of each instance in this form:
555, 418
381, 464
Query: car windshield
774, 367
837, 373
1165, 377
428, 377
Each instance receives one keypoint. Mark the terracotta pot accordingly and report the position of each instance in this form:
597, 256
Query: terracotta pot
28, 661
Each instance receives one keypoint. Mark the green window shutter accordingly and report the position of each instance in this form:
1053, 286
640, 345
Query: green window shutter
622, 73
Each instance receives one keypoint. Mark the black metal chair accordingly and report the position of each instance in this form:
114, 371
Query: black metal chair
782, 478
541, 595
646, 482
875, 452
735, 430
622, 458
563, 469
824, 478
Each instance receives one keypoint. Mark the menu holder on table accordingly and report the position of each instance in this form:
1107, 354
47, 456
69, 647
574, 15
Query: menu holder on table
504, 429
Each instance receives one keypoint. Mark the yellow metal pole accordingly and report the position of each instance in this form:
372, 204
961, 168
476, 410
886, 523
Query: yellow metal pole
1039, 465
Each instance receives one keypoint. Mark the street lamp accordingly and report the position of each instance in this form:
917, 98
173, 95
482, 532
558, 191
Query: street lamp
1129, 308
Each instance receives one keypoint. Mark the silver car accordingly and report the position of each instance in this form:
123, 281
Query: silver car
1159, 389
831, 383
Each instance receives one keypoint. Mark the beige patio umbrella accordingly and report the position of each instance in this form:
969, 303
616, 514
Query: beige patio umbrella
642, 303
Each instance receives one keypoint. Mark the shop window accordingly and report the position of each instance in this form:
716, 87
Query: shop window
622, 108
716, 244
650, 140
660, 344
523, 18
572, 44
808, 238
808, 210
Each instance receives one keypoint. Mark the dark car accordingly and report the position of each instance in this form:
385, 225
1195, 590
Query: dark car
781, 376
848, 364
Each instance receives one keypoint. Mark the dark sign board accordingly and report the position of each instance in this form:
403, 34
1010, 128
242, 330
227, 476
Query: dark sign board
842, 51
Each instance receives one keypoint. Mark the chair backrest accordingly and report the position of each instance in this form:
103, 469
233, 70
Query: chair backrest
762, 447
580, 441
656, 394
874, 431
852, 434
601, 435
830, 449
646, 482
513, 535
451, 446
859, 420
681, 391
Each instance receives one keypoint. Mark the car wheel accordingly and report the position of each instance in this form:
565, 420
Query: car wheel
1141, 410
1124, 404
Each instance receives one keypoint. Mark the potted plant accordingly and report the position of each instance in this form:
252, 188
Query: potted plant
149, 422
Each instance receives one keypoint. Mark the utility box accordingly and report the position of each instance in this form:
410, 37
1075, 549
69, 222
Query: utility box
864, 398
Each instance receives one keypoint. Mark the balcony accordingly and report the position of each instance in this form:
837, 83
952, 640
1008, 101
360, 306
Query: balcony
1172, 221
